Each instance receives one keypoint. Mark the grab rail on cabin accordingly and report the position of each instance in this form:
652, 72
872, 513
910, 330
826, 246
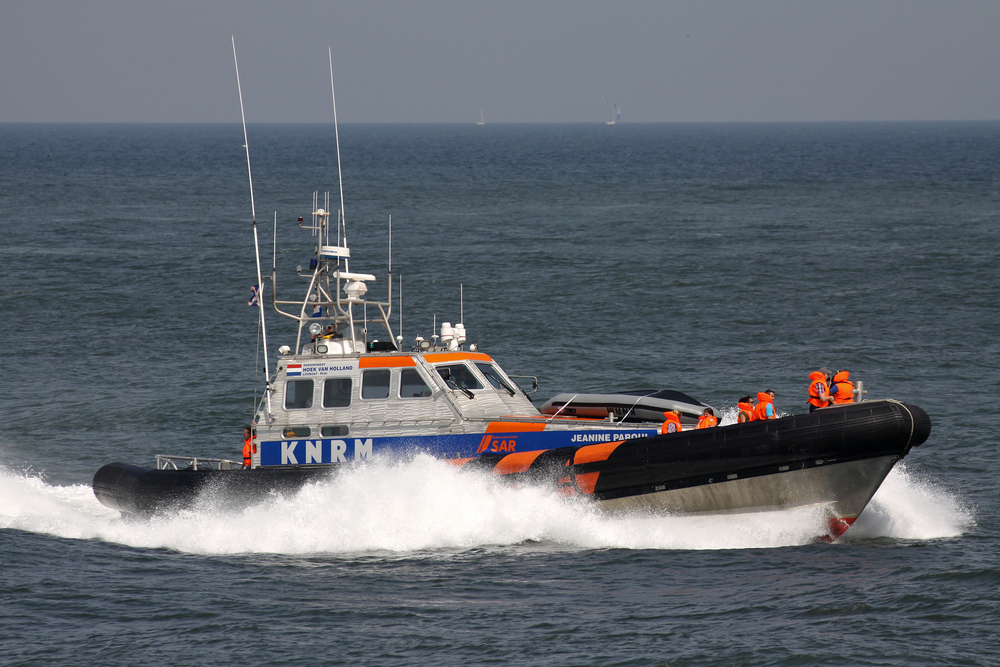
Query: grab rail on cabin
534, 382
164, 462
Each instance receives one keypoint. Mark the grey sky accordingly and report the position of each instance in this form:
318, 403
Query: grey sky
441, 61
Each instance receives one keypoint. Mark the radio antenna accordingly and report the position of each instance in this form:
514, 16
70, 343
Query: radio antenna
256, 245
246, 144
336, 134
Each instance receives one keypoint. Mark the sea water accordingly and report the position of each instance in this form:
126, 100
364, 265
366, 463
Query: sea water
719, 260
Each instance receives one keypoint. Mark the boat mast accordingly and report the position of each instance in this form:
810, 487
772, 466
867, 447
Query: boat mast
331, 262
256, 245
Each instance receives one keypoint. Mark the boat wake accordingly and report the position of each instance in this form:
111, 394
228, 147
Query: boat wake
427, 504
909, 507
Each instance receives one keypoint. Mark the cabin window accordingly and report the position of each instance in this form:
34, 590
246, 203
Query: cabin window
298, 394
334, 431
462, 377
375, 384
337, 393
411, 385
297, 432
494, 377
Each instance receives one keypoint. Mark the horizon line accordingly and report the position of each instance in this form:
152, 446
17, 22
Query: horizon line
475, 124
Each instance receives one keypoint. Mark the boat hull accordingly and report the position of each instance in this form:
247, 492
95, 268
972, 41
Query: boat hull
835, 457
843, 490
137, 490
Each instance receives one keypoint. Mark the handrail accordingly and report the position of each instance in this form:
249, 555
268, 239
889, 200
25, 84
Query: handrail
534, 382
164, 461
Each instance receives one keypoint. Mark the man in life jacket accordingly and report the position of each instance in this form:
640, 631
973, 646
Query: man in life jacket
765, 406
707, 419
842, 388
746, 410
672, 423
819, 391
249, 447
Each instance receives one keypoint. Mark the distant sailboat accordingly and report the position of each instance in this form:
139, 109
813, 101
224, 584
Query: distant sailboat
481, 121
616, 116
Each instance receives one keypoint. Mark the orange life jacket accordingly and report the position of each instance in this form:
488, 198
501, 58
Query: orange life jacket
707, 421
672, 423
842, 389
818, 389
760, 410
249, 449
746, 413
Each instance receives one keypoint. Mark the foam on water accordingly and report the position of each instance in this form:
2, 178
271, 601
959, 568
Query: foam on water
427, 504
908, 507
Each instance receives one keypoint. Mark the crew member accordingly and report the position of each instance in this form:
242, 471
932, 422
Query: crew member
707, 419
746, 410
672, 423
765, 405
819, 391
249, 447
842, 388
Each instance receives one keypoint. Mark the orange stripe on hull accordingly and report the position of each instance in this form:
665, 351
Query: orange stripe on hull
586, 482
518, 462
458, 463
590, 453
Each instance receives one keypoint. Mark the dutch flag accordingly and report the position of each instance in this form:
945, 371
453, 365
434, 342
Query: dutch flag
294, 369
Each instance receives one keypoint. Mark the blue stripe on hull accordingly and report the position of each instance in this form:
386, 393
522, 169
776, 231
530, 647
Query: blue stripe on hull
342, 450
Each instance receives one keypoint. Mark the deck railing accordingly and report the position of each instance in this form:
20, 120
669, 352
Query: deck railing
164, 462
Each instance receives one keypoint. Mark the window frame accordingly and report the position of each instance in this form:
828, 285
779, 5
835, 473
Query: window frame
350, 395
388, 386
504, 380
312, 395
399, 385
468, 369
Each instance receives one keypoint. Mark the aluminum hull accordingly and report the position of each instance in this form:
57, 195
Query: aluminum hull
843, 488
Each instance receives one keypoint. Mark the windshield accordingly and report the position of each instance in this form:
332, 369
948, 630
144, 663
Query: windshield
461, 376
492, 374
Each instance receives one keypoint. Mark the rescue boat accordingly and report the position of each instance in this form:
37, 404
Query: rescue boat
338, 397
